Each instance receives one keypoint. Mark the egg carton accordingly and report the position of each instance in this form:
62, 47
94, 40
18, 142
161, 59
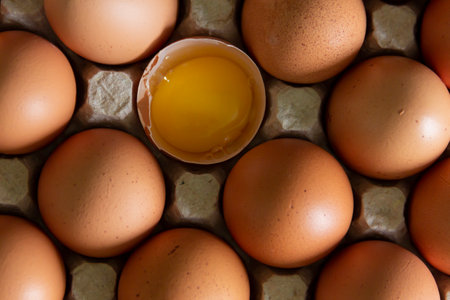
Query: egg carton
107, 98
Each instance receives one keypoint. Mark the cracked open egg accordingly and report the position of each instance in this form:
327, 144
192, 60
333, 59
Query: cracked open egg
201, 100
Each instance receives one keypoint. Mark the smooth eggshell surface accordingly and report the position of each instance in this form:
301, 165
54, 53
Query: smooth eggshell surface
287, 203
101, 192
388, 117
37, 92
376, 270
112, 31
31, 267
435, 38
429, 218
303, 41
184, 264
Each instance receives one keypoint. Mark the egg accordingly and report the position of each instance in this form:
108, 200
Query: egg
287, 203
184, 263
37, 92
201, 100
376, 270
388, 117
112, 31
31, 266
429, 216
101, 192
303, 41
435, 38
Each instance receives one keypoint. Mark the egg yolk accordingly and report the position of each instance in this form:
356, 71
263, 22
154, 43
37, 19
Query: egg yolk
202, 104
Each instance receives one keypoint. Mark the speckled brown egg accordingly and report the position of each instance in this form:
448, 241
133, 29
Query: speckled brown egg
30, 264
388, 117
101, 192
37, 92
303, 41
376, 270
185, 264
429, 217
287, 203
112, 31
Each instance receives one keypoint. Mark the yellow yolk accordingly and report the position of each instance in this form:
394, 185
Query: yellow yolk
202, 104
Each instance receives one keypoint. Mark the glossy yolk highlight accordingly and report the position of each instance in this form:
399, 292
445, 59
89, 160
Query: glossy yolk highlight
202, 104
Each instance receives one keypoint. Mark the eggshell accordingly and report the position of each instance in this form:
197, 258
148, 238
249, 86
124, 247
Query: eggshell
429, 218
112, 31
376, 270
101, 192
287, 203
37, 92
184, 263
30, 264
182, 51
388, 117
303, 41
435, 38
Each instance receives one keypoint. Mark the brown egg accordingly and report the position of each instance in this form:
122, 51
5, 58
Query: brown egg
37, 92
101, 192
376, 270
112, 31
287, 203
429, 218
30, 264
435, 38
388, 117
303, 41
185, 264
